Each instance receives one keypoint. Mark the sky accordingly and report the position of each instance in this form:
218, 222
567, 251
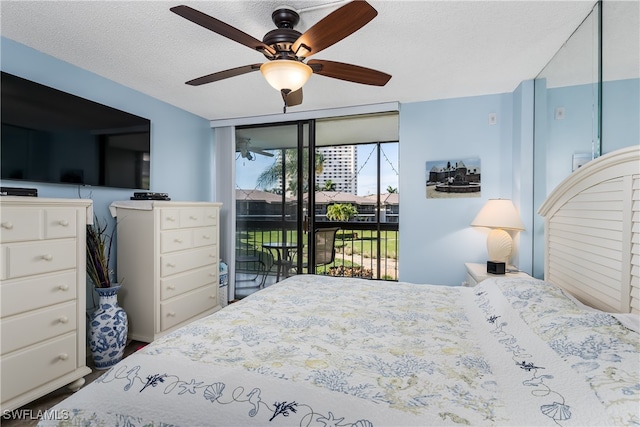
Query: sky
247, 172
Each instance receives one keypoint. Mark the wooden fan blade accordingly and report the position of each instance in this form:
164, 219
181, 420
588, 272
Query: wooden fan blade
348, 72
221, 75
292, 98
221, 28
334, 27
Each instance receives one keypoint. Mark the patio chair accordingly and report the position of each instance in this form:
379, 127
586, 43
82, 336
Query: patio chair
325, 246
249, 257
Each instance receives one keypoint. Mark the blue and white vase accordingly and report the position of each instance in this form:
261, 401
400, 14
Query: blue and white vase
108, 329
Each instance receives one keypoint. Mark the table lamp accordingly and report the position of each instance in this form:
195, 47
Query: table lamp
499, 215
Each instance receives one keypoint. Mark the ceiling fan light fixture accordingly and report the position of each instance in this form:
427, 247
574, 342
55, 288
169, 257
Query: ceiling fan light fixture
286, 74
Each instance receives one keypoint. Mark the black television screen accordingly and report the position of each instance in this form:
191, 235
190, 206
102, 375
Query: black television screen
51, 136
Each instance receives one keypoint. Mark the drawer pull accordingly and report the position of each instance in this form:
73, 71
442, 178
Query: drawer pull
193, 217
64, 287
212, 296
170, 265
178, 240
171, 287
171, 218
8, 225
47, 257
171, 314
206, 237
63, 223
63, 356
212, 274
63, 319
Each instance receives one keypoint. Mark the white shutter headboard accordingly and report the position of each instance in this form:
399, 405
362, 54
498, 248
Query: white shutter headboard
592, 232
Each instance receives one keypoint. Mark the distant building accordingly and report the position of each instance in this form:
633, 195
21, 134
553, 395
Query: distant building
458, 172
340, 167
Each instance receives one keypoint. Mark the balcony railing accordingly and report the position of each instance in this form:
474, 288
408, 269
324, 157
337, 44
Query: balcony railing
363, 249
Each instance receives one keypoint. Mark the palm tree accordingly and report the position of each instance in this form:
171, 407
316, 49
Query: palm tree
288, 159
391, 189
329, 186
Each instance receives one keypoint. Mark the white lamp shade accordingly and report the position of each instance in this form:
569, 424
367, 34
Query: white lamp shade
286, 74
500, 215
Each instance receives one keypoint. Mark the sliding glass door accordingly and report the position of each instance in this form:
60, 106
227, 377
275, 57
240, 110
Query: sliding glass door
296, 180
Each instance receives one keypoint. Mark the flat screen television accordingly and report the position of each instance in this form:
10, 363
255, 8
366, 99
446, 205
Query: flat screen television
52, 136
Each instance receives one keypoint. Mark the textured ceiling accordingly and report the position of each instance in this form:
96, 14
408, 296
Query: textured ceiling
433, 49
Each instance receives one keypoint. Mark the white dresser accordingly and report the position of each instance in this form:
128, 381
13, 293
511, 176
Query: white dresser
168, 260
43, 296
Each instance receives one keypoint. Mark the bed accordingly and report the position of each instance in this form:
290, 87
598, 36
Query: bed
325, 351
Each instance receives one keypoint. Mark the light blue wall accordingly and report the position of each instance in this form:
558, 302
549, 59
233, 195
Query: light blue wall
620, 114
436, 237
181, 142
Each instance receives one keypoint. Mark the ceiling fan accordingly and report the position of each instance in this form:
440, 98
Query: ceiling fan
286, 49
244, 145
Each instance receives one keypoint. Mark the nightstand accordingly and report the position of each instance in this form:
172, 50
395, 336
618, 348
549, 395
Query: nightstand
476, 273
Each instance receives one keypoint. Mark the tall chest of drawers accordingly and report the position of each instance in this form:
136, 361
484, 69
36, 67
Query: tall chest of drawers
43, 296
168, 264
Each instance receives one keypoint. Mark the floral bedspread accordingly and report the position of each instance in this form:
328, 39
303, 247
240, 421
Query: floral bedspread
323, 351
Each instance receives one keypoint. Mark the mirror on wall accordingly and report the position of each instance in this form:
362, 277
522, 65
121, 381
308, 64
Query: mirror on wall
620, 75
587, 102
566, 117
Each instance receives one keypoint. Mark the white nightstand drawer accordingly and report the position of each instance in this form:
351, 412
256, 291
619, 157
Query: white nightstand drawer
186, 306
470, 280
184, 261
42, 291
27, 259
26, 329
181, 283
25, 370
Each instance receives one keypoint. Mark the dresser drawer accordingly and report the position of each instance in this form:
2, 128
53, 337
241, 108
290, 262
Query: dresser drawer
20, 224
183, 261
191, 217
187, 306
205, 236
26, 329
59, 223
27, 259
176, 240
182, 218
30, 368
21, 295
169, 219
181, 283
211, 216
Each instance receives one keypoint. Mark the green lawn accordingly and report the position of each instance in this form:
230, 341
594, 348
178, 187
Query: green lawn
365, 243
